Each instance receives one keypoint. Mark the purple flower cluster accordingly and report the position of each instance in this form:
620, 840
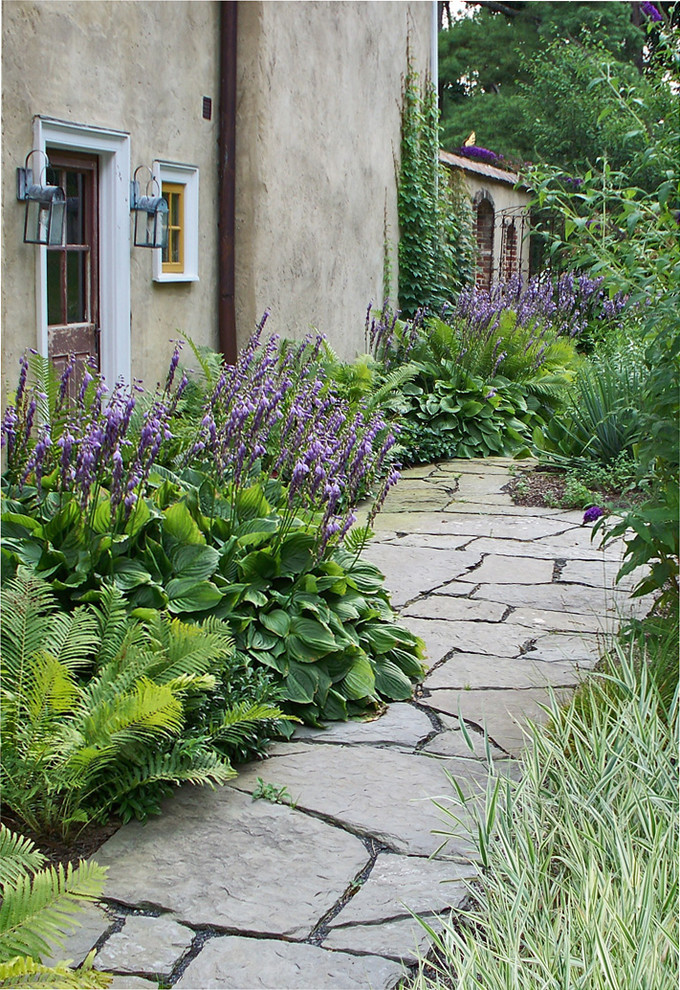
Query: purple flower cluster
565, 305
276, 413
89, 442
479, 154
593, 514
386, 340
650, 11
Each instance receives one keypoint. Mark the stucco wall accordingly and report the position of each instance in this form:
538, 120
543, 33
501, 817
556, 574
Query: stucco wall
318, 129
141, 67
318, 125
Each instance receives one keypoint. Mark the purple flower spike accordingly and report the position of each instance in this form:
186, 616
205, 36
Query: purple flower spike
592, 514
650, 11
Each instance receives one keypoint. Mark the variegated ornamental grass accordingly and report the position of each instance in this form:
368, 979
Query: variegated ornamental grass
579, 884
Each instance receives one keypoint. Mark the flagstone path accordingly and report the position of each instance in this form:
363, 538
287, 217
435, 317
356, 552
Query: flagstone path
226, 892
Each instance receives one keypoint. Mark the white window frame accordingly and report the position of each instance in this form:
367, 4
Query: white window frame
113, 150
187, 176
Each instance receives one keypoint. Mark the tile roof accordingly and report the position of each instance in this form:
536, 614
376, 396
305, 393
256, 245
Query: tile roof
479, 168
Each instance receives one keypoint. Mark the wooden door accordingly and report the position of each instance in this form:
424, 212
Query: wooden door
73, 268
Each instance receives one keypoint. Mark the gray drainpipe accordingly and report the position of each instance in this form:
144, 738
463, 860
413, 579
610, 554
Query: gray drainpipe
226, 182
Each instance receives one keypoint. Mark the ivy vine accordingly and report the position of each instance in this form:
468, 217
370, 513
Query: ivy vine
436, 243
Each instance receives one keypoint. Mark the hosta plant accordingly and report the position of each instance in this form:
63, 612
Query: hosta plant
39, 904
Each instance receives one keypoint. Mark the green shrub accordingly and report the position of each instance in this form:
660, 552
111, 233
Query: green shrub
476, 393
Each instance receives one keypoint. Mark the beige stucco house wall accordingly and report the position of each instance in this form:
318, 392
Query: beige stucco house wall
317, 140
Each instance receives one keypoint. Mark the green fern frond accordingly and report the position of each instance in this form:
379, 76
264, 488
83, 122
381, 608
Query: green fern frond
46, 383
189, 762
23, 972
27, 613
35, 911
149, 710
115, 629
242, 716
393, 381
357, 537
210, 361
18, 857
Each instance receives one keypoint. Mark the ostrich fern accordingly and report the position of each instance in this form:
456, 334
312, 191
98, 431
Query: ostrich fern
94, 706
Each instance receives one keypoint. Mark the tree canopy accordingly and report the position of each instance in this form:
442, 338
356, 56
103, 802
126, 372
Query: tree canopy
519, 75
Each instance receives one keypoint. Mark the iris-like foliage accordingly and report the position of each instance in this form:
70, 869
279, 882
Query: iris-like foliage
580, 858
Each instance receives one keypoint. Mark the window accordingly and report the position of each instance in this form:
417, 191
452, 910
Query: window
179, 261
173, 254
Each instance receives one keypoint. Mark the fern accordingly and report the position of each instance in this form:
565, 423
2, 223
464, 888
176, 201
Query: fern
36, 910
243, 716
22, 971
69, 748
18, 857
210, 361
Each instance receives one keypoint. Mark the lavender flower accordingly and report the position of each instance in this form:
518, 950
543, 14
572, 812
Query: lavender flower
480, 154
650, 11
592, 514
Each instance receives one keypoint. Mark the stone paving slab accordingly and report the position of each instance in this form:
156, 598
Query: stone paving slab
454, 609
522, 525
219, 858
575, 545
92, 922
501, 712
383, 793
405, 940
501, 639
556, 597
599, 574
452, 743
237, 963
401, 725
131, 983
398, 885
467, 671
510, 570
415, 571
542, 619
149, 945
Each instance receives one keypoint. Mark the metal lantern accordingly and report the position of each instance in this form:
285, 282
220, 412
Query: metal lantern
45, 207
151, 216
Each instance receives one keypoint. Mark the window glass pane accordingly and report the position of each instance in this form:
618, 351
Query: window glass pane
174, 204
175, 247
75, 208
54, 310
75, 287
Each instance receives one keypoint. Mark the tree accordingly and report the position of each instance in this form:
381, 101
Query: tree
487, 62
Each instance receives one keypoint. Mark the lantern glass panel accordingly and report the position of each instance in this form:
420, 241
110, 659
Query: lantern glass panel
56, 223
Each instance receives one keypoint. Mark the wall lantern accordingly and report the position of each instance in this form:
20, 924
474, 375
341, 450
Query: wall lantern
45, 206
151, 214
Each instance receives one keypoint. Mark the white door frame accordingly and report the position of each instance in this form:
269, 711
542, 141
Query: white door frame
113, 149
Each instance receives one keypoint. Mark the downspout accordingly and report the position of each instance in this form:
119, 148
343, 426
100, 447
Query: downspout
226, 182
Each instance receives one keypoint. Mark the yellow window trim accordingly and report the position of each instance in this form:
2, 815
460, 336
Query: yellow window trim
175, 231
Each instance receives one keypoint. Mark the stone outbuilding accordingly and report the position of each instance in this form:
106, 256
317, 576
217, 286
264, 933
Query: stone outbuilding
502, 219
270, 129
